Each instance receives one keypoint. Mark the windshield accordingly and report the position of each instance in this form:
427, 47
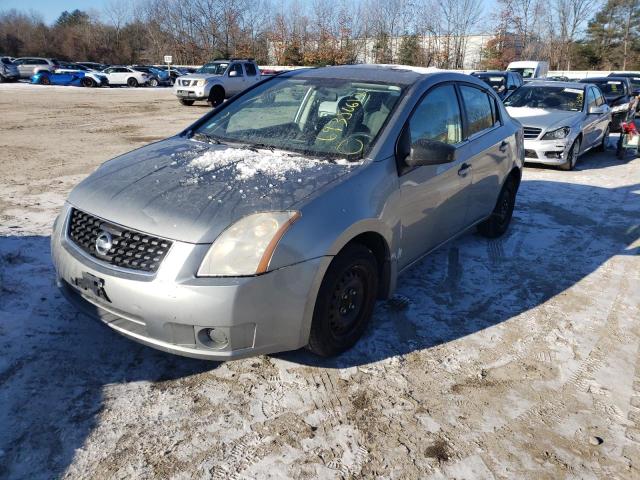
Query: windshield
611, 88
497, 82
321, 117
553, 98
213, 68
525, 72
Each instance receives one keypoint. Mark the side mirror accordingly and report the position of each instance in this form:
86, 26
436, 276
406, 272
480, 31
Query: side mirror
233, 73
597, 109
430, 152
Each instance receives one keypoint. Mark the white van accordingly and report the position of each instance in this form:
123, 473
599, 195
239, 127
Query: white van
530, 70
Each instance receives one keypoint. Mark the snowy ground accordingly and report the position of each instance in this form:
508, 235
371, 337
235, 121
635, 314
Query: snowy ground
513, 358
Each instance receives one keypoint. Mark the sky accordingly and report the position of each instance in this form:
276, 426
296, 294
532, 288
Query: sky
50, 10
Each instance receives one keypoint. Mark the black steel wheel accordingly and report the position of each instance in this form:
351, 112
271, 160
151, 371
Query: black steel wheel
498, 223
345, 301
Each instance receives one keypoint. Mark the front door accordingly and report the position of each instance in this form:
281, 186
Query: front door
433, 198
235, 83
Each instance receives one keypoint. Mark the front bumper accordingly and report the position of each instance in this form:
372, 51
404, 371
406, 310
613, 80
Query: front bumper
548, 152
189, 93
174, 311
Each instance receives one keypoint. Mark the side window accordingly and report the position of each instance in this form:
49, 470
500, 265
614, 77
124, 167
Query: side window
495, 111
600, 100
437, 117
236, 67
251, 69
478, 107
510, 81
40, 62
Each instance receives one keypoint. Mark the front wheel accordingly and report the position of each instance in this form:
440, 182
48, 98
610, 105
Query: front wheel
187, 103
345, 301
153, 82
88, 82
572, 156
498, 222
132, 82
45, 80
216, 97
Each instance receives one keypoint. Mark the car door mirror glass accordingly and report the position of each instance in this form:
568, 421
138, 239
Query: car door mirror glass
597, 109
430, 152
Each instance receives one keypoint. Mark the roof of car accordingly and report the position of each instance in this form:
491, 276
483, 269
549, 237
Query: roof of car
554, 83
491, 72
394, 74
603, 79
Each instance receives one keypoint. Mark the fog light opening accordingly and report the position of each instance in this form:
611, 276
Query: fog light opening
216, 337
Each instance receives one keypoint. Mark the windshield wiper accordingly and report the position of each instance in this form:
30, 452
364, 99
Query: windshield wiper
203, 137
256, 146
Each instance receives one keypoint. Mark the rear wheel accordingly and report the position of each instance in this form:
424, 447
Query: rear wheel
132, 82
572, 156
188, 103
216, 96
345, 301
44, 80
500, 218
605, 140
88, 82
153, 82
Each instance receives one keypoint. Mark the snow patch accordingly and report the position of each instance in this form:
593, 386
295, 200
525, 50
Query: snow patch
249, 163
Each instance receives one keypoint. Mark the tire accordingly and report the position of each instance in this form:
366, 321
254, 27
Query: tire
216, 96
132, 82
172, 81
497, 224
88, 82
345, 301
187, 103
45, 80
153, 82
620, 150
605, 140
572, 156
2, 80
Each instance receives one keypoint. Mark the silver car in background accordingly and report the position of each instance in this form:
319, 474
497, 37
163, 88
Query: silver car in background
278, 219
561, 120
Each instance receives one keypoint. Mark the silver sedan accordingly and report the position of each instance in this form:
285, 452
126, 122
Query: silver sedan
562, 120
278, 219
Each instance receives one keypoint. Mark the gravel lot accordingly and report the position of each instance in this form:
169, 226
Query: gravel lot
513, 358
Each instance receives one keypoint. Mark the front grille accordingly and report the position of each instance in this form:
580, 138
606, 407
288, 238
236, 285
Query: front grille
129, 249
530, 153
185, 83
531, 133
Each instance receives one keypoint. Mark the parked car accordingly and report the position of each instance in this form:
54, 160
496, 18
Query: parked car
89, 78
562, 120
558, 78
69, 78
156, 76
120, 75
529, 70
502, 82
27, 66
8, 71
634, 78
269, 225
217, 80
94, 65
620, 97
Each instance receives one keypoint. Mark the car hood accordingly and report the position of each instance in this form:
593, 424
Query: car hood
543, 118
613, 99
191, 191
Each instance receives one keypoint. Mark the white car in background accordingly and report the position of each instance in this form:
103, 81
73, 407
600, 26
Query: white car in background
529, 69
119, 75
561, 120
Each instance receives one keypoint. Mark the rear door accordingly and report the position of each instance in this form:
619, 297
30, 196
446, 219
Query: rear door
591, 121
488, 150
252, 73
433, 197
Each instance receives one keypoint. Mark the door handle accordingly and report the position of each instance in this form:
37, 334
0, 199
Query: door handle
464, 168
503, 146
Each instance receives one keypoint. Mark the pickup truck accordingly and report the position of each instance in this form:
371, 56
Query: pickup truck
215, 81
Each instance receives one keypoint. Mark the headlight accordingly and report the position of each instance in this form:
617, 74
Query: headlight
557, 134
620, 108
200, 83
246, 247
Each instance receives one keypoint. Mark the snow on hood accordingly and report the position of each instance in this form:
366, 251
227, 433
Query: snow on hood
275, 165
